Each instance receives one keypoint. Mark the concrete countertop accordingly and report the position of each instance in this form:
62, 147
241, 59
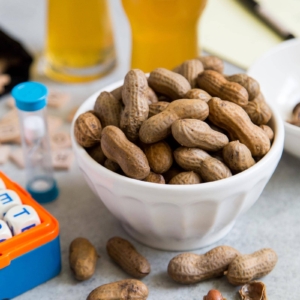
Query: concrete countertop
272, 222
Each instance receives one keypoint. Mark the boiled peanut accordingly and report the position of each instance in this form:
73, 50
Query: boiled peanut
237, 157
158, 127
212, 63
155, 178
134, 95
97, 154
123, 253
251, 266
235, 120
119, 149
109, 109
216, 85
213, 295
189, 268
186, 178
196, 133
190, 70
111, 165
126, 289
82, 258
268, 130
250, 84
197, 160
254, 290
258, 110
156, 108
87, 130
198, 94
168, 83
159, 156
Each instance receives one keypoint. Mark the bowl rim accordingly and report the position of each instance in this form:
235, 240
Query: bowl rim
280, 47
277, 146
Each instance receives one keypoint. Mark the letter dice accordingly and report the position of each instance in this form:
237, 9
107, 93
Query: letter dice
21, 218
5, 232
2, 185
8, 199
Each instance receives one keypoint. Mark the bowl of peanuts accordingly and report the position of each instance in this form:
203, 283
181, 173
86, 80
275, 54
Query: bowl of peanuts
176, 156
278, 72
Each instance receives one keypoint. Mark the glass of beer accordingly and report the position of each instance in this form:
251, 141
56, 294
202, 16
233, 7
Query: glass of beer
164, 32
79, 44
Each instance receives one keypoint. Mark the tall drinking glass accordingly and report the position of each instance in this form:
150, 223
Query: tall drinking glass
164, 32
79, 45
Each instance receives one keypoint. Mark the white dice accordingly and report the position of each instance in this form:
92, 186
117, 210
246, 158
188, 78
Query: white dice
5, 232
21, 218
2, 185
8, 199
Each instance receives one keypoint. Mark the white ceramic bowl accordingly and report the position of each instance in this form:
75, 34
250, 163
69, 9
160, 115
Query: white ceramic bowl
278, 72
178, 217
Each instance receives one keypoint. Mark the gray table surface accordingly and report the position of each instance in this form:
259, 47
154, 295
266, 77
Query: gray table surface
274, 221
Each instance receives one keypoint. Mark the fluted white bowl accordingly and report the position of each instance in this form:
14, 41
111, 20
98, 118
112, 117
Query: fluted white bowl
177, 217
278, 72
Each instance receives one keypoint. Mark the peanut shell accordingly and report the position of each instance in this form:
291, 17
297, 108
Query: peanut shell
155, 178
198, 94
212, 63
156, 108
186, 178
190, 70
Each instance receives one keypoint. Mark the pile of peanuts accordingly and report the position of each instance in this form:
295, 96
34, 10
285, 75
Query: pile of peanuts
185, 126
185, 268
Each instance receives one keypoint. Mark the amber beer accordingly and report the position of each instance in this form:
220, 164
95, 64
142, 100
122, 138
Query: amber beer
79, 45
164, 32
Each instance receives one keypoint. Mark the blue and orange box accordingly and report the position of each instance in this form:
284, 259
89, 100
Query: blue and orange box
32, 257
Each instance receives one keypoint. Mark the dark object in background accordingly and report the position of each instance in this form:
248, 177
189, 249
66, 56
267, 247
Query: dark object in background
15, 61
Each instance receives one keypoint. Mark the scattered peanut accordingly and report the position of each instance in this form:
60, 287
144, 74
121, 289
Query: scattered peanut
87, 130
216, 85
237, 157
189, 268
245, 268
186, 178
254, 290
235, 120
196, 133
119, 149
213, 295
82, 258
120, 290
168, 83
126, 256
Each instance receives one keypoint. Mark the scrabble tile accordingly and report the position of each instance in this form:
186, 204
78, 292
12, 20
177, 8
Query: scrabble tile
5, 232
71, 114
8, 199
21, 218
4, 153
60, 140
2, 185
17, 158
57, 99
9, 131
62, 159
53, 123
